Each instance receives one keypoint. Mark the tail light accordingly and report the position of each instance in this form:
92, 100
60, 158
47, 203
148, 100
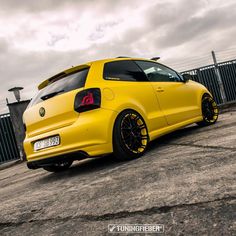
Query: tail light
88, 99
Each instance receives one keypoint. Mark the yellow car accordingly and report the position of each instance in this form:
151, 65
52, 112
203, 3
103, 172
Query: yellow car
109, 106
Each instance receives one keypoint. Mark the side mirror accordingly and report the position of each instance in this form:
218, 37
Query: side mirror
186, 77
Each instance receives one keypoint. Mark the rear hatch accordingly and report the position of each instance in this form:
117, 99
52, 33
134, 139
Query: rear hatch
53, 105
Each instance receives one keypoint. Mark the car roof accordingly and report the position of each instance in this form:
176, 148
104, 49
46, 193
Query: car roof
84, 66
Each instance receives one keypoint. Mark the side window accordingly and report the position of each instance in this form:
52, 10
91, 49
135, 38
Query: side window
158, 73
125, 70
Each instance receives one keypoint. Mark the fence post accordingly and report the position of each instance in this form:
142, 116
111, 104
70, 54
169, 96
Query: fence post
219, 79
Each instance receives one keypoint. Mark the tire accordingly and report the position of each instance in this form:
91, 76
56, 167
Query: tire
130, 136
210, 111
58, 167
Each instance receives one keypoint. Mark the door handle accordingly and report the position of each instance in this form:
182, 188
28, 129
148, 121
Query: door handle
160, 89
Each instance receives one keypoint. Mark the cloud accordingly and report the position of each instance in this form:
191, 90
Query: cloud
103, 6
41, 38
3, 45
35, 6
195, 27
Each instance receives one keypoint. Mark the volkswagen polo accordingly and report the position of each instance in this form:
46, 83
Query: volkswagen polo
110, 106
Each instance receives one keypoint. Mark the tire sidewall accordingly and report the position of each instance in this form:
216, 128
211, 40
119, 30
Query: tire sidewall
205, 122
120, 150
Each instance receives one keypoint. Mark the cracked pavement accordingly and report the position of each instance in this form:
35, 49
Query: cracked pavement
186, 181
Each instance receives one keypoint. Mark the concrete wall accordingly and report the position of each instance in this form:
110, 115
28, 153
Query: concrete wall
16, 111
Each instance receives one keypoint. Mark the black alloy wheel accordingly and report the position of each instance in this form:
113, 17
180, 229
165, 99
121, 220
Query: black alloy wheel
130, 136
210, 111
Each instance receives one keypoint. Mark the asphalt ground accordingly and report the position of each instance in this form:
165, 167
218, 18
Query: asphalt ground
186, 181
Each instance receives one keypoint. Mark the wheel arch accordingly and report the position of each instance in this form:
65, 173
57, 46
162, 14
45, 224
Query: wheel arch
214, 117
203, 93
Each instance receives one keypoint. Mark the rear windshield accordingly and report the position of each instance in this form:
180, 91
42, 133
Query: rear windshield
63, 85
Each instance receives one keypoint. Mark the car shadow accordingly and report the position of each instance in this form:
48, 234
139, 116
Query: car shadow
175, 135
94, 165
83, 167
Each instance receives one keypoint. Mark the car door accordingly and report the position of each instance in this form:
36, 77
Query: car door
177, 99
132, 90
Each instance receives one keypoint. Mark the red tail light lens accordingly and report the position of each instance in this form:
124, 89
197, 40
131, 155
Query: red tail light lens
88, 99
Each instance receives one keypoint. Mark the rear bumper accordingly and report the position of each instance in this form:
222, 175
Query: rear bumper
90, 134
57, 159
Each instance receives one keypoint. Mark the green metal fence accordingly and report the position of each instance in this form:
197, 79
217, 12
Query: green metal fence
220, 79
8, 147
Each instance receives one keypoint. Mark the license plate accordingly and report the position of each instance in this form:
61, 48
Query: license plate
46, 143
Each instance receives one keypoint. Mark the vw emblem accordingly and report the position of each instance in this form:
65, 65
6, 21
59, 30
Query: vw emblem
42, 112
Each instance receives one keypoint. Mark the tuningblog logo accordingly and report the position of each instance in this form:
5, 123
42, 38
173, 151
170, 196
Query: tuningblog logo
136, 228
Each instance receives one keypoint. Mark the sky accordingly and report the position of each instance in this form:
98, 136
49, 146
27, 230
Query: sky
41, 38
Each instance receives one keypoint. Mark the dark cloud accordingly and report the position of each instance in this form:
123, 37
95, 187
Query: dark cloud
194, 27
164, 22
3, 45
172, 25
34, 6
165, 13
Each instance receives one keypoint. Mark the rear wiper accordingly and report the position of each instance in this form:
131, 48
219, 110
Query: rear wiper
50, 95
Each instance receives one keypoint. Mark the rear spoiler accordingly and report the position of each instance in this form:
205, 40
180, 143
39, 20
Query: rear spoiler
56, 77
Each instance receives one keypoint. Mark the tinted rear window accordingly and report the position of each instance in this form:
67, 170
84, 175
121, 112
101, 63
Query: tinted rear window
125, 70
63, 85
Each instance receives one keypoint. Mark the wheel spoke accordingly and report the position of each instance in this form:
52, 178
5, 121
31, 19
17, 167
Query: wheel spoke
209, 110
126, 123
132, 128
